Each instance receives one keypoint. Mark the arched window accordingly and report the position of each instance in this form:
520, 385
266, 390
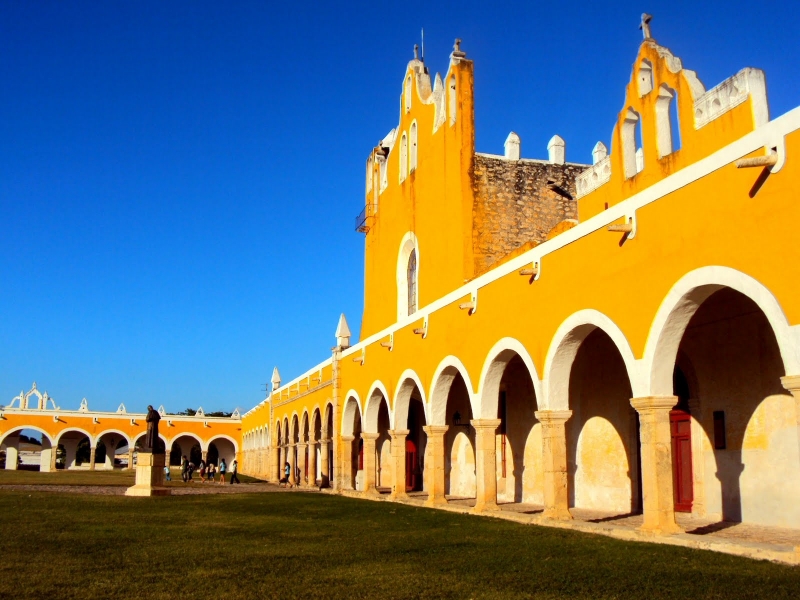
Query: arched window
645, 79
407, 276
631, 148
453, 99
411, 277
407, 93
412, 151
667, 127
403, 157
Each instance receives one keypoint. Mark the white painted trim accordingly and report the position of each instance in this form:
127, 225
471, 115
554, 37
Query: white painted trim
5, 434
402, 396
681, 303
408, 244
177, 437
224, 437
441, 382
122, 433
492, 372
564, 347
79, 430
770, 135
377, 393
351, 395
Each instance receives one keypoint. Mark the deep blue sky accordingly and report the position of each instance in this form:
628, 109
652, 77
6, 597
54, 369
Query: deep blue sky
178, 180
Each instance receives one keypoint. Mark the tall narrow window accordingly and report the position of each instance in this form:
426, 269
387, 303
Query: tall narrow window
412, 151
403, 157
667, 128
631, 143
674, 122
453, 99
407, 93
645, 80
411, 277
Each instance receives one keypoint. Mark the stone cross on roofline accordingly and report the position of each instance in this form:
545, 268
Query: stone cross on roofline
645, 26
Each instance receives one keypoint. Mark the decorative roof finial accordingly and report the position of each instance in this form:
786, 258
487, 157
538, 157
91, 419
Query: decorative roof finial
645, 26
457, 52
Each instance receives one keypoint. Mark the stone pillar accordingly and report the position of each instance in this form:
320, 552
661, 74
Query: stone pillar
656, 449
698, 466
92, 451
324, 459
204, 456
312, 463
54, 457
12, 454
346, 460
301, 457
399, 463
554, 462
369, 462
434, 467
130, 458
292, 464
792, 384
485, 464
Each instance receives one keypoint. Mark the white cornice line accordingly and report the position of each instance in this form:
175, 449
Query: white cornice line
294, 381
115, 415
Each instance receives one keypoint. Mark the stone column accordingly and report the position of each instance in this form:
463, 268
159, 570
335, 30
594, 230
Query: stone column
301, 457
12, 454
485, 464
554, 462
399, 463
698, 468
792, 384
434, 468
656, 449
293, 463
54, 457
369, 462
346, 460
312, 463
324, 459
204, 456
130, 458
91, 457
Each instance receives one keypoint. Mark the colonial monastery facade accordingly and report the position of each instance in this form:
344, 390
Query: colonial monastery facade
622, 336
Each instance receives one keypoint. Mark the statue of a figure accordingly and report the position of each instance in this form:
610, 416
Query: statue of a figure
151, 439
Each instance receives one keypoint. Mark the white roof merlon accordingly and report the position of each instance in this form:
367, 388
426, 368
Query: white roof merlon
557, 150
513, 146
276, 377
342, 329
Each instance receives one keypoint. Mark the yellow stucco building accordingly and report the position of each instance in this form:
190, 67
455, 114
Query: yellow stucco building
620, 336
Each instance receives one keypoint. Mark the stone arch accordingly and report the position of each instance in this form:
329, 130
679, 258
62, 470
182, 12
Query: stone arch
493, 368
50, 438
352, 409
376, 396
124, 435
304, 427
222, 436
327, 422
286, 431
564, 347
402, 397
449, 368
682, 302
76, 430
294, 438
189, 434
315, 426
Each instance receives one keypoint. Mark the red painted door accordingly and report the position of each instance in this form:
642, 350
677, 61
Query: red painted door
683, 488
411, 465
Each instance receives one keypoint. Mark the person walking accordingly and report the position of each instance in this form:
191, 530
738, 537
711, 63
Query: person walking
202, 468
185, 469
210, 471
222, 469
287, 470
167, 476
234, 471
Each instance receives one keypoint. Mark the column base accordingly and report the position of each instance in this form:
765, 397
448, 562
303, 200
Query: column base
488, 507
662, 529
437, 501
557, 514
371, 492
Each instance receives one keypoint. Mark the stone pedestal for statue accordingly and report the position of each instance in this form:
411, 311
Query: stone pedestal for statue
149, 476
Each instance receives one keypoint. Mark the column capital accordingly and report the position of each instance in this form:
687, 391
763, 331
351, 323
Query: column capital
435, 429
552, 416
791, 383
653, 403
485, 423
348, 438
399, 433
301, 444
369, 435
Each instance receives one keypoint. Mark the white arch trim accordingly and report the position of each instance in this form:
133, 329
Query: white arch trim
348, 413
492, 372
564, 347
5, 434
443, 377
402, 397
377, 394
682, 302
222, 436
408, 244
117, 431
177, 437
92, 441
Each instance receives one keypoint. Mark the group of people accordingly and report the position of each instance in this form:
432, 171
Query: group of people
208, 471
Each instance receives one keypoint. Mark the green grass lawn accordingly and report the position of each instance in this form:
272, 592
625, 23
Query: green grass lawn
322, 546
120, 477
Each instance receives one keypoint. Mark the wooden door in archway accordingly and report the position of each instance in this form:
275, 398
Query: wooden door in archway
682, 480
411, 465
